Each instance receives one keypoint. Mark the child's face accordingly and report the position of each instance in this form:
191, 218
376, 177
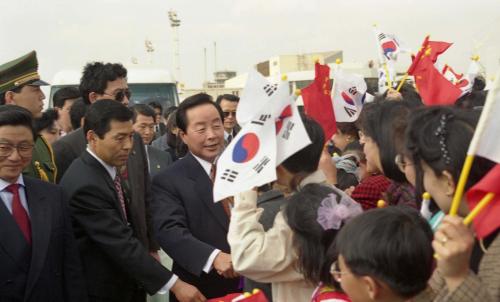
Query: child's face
354, 286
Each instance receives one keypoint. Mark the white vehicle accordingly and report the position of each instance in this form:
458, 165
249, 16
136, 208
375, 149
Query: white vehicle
146, 85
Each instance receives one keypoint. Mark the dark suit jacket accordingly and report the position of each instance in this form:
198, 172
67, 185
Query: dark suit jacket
116, 263
71, 146
158, 160
189, 225
49, 269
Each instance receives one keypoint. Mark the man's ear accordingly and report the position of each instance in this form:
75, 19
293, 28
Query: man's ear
448, 183
9, 98
182, 135
93, 96
91, 137
372, 287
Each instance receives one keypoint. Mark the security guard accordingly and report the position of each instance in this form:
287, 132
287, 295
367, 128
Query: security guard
20, 85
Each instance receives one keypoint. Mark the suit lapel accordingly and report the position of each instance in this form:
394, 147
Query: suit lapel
41, 229
203, 186
12, 239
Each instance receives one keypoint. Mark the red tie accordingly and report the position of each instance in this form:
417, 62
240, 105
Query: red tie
19, 213
118, 187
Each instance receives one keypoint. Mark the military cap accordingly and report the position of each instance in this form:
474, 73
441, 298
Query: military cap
19, 72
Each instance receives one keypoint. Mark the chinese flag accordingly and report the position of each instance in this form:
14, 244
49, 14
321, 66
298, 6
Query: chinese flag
318, 102
487, 221
437, 48
432, 86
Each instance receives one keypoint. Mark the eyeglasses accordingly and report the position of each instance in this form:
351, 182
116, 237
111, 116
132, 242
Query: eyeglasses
401, 163
23, 149
120, 95
228, 113
336, 272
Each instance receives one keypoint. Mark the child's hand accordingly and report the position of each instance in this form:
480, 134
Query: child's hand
453, 242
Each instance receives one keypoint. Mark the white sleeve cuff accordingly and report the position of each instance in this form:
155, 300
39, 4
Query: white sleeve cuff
168, 286
208, 266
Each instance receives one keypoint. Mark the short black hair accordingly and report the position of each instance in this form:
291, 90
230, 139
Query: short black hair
310, 240
228, 97
391, 244
143, 109
63, 94
348, 128
472, 100
191, 102
423, 145
156, 105
96, 76
46, 121
385, 122
77, 112
306, 160
102, 112
168, 111
12, 115
2, 95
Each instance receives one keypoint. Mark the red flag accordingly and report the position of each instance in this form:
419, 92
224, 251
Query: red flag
258, 296
430, 48
437, 48
318, 102
432, 86
487, 221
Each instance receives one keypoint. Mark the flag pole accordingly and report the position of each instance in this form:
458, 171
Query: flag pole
481, 125
478, 208
402, 82
387, 76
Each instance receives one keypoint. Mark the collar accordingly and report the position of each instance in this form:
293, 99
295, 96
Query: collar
207, 166
4, 184
111, 170
226, 134
317, 177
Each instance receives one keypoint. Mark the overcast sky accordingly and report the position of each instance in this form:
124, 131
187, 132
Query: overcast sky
69, 33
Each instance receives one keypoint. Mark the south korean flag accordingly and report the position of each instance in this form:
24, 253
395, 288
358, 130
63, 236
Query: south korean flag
250, 159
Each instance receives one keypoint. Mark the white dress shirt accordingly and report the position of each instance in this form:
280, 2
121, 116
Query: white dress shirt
7, 196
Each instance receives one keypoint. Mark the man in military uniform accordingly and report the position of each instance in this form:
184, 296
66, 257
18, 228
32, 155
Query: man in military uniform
20, 85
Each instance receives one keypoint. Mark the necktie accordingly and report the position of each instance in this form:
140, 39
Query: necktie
226, 202
229, 138
19, 213
121, 197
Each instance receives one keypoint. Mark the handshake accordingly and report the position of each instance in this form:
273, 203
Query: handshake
185, 292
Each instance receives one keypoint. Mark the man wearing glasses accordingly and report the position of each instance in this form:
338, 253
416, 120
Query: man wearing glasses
229, 104
39, 260
20, 85
109, 81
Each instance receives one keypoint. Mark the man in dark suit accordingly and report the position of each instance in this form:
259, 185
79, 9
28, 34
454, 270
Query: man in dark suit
117, 266
189, 226
144, 123
101, 81
229, 104
39, 259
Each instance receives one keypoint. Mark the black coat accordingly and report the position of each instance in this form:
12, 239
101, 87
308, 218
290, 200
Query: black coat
116, 263
49, 269
189, 225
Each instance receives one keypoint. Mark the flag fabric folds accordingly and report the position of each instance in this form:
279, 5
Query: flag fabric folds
317, 100
348, 96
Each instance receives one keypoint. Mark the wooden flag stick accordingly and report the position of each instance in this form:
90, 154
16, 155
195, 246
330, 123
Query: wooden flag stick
402, 82
478, 208
387, 76
462, 181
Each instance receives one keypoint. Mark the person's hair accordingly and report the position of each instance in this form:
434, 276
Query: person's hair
168, 111
2, 95
63, 94
408, 94
479, 83
191, 102
46, 121
96, 76
356, 149
348, 129
423, 143
12, 115
385, 122
310, 240
77, 112
392, 245
143, 109
472, 100
100, 115
228, 97
156, 105
306, 160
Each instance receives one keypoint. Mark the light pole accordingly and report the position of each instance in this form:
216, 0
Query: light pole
175, 22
